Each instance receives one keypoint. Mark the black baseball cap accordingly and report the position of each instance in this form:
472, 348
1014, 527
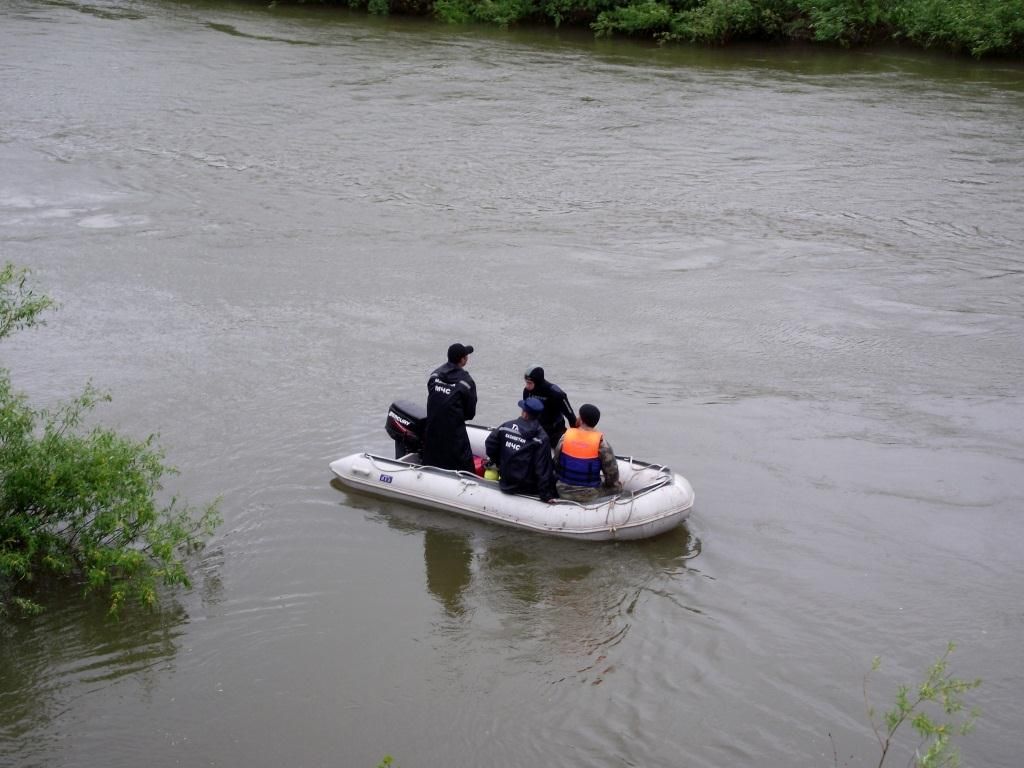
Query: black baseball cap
458, 351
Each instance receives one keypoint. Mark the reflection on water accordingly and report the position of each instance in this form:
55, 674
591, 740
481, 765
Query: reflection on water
578, 595
75, 648
449, 560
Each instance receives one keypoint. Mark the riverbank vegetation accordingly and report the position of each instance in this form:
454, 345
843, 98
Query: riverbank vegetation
978, 27
82, 504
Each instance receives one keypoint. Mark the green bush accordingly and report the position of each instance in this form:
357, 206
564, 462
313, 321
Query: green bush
82, 504
703, 21
503, 13
980, 27
717, 21
845, 21
574, 12
645, 18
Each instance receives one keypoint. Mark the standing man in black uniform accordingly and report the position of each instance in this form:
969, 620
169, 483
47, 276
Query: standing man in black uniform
556, 403
451, 402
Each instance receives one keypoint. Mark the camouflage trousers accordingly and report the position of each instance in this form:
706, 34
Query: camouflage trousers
579, 493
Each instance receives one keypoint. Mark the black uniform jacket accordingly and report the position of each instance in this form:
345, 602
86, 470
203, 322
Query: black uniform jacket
522, 452
556, 405
451, 402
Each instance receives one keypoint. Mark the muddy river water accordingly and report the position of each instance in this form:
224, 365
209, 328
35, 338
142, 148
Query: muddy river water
796, 277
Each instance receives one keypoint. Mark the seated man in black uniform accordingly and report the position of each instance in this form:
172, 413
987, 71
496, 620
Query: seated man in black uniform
522, 452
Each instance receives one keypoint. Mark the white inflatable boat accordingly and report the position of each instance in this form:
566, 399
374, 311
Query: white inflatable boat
654, 499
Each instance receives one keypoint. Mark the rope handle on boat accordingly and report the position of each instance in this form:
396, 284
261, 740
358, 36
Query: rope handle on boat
405, 466
614, 503
637, 465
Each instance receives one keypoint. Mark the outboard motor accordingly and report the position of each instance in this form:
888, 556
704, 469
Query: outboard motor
405, 424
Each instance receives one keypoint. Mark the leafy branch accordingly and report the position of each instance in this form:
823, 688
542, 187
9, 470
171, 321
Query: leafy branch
20, 306
935, 711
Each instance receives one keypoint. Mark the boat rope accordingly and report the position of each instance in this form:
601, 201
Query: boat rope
405, 466
632, 506
613, 504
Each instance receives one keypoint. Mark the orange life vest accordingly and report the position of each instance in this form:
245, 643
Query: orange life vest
580, 460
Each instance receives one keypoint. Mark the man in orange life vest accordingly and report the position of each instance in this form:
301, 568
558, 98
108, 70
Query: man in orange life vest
582, 456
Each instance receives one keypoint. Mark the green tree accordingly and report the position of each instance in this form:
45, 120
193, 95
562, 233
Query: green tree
82, 504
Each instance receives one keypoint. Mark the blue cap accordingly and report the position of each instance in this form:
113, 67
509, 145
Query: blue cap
532, 405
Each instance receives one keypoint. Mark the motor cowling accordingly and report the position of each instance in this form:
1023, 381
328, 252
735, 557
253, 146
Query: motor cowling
405, 425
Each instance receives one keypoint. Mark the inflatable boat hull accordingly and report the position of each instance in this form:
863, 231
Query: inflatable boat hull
654, 499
